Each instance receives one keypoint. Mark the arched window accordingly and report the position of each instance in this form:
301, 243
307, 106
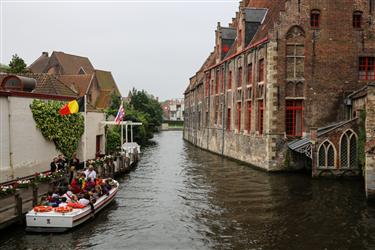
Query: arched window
348, 150
326, 155
315, 19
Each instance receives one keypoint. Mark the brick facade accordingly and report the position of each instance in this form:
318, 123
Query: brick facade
304, 59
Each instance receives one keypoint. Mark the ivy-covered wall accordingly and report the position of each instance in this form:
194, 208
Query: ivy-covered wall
64, 131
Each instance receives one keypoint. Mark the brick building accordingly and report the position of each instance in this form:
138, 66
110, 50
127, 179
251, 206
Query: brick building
79, 74
277, 79
173, 109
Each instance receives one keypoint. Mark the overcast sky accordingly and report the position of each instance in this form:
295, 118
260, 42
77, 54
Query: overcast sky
154, 46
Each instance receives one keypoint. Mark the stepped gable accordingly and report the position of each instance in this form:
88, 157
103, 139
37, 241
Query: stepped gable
274, 8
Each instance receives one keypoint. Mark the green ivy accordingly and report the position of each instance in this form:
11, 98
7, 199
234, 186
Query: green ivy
64, 131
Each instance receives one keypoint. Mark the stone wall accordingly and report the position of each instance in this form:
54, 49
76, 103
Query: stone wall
370, 144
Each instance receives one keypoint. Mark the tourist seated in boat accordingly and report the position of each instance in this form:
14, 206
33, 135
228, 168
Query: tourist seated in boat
90, 184
63, 202
70, 197
90, 172
82, 181
75, 186
98, 190
85, 200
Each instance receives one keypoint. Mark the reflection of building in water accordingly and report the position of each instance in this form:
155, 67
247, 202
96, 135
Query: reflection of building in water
275, 90
173, 110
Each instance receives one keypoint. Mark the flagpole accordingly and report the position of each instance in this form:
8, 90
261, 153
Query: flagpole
122, 127
85, 140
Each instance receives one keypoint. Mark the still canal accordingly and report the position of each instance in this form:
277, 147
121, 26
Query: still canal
180, 197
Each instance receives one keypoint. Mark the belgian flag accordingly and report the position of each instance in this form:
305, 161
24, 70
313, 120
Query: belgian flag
73, 107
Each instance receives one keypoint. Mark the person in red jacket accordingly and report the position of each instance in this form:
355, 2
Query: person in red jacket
75, 186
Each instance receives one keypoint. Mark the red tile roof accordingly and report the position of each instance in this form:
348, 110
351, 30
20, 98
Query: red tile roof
72, 63
80, 83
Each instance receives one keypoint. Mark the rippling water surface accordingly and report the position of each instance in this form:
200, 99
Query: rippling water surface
180, 197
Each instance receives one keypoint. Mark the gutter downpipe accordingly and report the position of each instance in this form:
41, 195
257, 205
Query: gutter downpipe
209, 110
10, 142
224, 107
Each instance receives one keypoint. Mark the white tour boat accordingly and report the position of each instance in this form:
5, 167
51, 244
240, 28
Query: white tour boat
52, 221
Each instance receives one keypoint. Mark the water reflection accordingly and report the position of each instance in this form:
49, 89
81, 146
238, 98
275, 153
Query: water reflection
181, 197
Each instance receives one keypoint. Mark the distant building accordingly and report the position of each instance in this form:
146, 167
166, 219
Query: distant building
173, 110
78, 73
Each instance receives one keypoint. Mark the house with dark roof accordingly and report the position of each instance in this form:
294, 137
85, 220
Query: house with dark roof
277, 82
60, 63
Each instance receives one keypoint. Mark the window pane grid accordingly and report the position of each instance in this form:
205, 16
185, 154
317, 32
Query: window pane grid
357, 20
367, 68
294, 118
314, 20
249, 116
260, 117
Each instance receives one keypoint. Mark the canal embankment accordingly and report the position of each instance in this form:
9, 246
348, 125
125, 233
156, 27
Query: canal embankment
17, 197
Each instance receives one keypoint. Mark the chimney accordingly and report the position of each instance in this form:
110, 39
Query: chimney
45, 54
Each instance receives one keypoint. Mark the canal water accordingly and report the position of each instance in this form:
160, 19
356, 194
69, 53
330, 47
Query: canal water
181, 197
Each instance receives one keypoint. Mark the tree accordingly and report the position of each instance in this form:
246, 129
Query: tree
147, 104
142, 108
17, 65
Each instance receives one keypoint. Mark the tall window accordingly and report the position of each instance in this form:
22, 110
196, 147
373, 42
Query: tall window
261, 70
326, 155
367, 68
207, 84
222, 80
239, 116
294, 118
295, 54
357, 20
250, 74
230, 80
315, 19
239, 37
348, 150
260, 117
217, 81
248, 122
207, 119
239, 77
229, 119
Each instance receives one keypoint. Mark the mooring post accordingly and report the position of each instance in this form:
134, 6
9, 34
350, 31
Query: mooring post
35, 196
18, 211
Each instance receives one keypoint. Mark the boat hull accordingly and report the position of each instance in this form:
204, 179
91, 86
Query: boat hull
53, 222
